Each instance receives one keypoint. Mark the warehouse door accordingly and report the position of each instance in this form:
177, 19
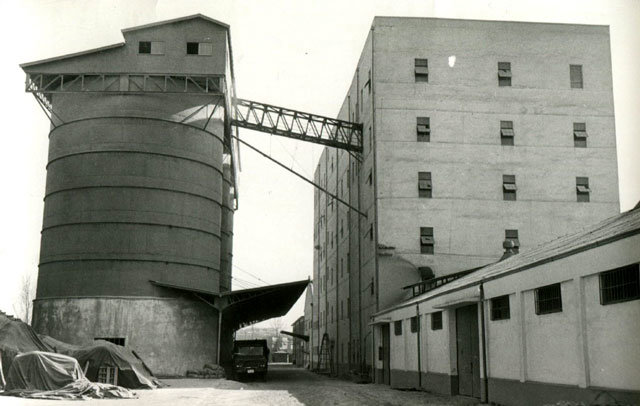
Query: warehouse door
386, 359
468, 350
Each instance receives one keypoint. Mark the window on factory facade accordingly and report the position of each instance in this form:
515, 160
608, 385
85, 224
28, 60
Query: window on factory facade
500, 308
370, 178
512, 235
549, 299
509, 187
371, 232
200, 48
506, 132
504, 74
421, 70
368, 84
114, 340
575, 75
151, 47
436, 321
370, 138
414, 324
582, 189
424, 184
426, 240
580, 135
423, 129
397, 327
620, 284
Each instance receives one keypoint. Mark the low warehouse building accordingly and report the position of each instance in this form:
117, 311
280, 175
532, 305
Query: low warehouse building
557, 322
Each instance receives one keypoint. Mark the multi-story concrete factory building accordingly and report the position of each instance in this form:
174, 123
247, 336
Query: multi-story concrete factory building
140, 194
478, 136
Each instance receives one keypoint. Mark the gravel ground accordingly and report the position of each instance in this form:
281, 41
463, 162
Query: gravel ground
285, 386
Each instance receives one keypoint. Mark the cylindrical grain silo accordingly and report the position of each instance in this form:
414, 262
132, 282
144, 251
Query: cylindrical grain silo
132, 197
132, 233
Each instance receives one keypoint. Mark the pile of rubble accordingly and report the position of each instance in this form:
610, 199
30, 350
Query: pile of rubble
207, 372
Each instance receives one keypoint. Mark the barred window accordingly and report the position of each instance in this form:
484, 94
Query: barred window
500, 308
549, 299
414, 324
423, 129
620, 284
582, 189
426, 240
436, 321
575, 75
509, 187
424, 184
114, 340
397, 327
506, 132
108, 374
580, 135
421, 70
504, 74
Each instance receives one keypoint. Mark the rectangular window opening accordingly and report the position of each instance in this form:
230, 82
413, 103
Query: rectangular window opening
509, 187
113, 340
500, 308
512, 235
414, 324
436, 321
421, 70
620, 285
200, 48
506, 133
425, 186
427, 241
582, 189
549, 299
504, 74
575, 74
397, 327
423, 129
580, 135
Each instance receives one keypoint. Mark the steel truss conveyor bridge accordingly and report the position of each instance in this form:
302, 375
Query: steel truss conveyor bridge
242, 113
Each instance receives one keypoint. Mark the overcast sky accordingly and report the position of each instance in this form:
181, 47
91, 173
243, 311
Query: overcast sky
299, 54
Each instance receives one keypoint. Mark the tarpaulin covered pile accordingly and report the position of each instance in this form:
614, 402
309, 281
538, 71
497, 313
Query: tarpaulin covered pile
132, 373
17, 337
46, 375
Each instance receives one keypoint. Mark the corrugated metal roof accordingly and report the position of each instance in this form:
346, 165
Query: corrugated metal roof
609, 230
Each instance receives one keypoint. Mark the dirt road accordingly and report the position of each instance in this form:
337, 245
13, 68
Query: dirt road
285, 386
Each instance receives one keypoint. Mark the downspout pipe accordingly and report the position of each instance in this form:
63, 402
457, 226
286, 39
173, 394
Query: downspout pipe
419, 332
484, 346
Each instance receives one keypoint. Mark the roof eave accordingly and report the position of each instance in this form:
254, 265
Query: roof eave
175, 20
73, 55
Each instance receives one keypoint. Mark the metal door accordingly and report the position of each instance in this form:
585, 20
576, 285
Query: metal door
468, 350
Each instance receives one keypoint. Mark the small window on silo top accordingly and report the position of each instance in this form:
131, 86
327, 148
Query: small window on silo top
144, 47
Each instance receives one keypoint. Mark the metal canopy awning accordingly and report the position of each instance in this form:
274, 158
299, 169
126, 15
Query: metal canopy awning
244, 307
303, 337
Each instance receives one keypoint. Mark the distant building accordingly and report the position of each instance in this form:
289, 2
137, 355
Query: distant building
476, 134
556, 322
300, 346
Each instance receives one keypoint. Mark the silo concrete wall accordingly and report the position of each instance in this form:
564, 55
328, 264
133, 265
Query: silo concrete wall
133, 195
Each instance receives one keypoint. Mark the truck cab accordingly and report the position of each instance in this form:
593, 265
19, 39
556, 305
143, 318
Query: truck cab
250, 358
